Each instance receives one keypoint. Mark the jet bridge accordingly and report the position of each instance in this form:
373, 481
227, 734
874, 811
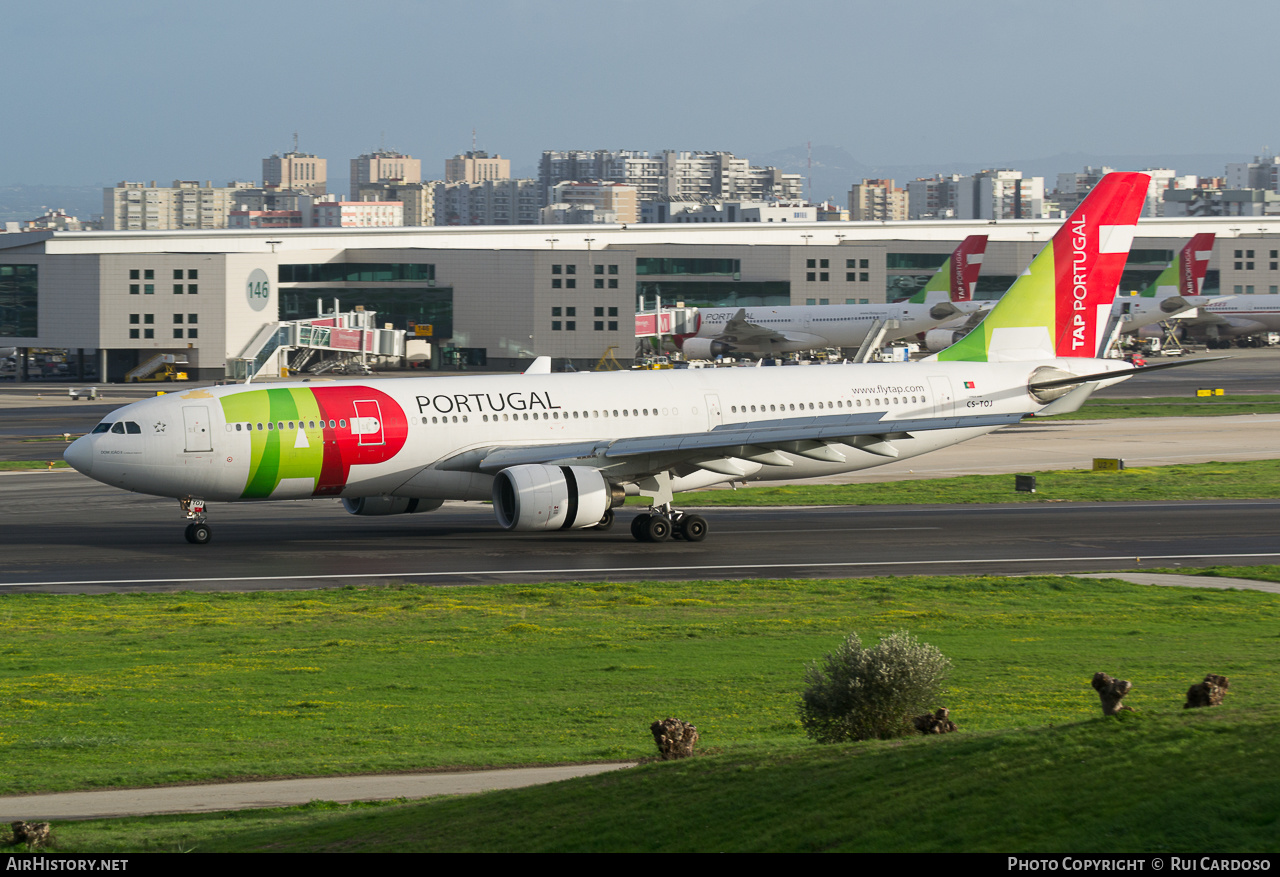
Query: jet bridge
316, 344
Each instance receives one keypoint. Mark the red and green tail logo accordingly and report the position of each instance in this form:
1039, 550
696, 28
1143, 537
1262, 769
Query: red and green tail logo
1060, 306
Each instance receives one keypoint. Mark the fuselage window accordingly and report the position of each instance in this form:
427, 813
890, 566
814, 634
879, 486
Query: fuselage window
819, 404
291, 424
230, 427
343, 423
270, 425
239, 427
259, 427
101, 427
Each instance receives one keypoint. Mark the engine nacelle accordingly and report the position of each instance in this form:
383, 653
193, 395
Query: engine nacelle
705, 348
937, 340
390, 505
552, 497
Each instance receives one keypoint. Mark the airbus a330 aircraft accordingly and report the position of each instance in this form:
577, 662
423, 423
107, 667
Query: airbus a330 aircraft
559, 452
1219, 319
1173, 292
767, 331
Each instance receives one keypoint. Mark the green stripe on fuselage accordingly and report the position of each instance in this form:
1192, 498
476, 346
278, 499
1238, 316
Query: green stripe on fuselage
275, 454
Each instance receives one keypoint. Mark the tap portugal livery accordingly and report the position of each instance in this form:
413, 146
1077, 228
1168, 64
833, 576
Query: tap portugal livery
767, 331
558, 452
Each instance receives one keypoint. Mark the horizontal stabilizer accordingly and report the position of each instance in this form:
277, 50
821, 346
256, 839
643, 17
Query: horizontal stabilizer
1122, 373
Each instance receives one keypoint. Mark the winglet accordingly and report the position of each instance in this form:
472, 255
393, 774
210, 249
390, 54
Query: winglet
1060, 305
540, 366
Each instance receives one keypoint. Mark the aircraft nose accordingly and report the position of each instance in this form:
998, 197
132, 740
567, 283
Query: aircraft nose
79, 455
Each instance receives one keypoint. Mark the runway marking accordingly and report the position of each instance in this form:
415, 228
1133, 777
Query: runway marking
578, 571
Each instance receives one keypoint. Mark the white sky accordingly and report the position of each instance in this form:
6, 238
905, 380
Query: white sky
96, 92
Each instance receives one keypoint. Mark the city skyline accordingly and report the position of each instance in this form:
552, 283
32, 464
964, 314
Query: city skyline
144, 90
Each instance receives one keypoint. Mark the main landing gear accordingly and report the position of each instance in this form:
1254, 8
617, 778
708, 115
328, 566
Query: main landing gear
198, 532
666, 523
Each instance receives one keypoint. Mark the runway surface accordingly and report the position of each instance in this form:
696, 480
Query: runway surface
75, 536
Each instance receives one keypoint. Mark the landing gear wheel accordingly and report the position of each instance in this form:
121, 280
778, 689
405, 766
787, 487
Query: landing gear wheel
658, 529
639, 525
606, 522
198, 534
693, 528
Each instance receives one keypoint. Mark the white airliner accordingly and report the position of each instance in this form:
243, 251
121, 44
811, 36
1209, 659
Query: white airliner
560, 451
1220, 319
767, 331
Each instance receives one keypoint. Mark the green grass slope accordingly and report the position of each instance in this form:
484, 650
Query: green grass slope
1167, 781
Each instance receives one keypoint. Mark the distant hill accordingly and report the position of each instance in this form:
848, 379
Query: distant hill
19, 203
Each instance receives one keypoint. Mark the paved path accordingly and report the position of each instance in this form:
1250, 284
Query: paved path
282, 793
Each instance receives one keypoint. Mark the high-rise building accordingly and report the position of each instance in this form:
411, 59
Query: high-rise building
935, 197
384, 166
295, 170
592, 202
671, 176
492, 202
476, 167
1001, 194
184, 205
419, 199
877, 201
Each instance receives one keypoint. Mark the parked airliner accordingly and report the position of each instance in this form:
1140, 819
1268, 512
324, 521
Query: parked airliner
560, 451
767, 331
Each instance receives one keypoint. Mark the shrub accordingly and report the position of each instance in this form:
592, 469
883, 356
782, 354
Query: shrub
862, 694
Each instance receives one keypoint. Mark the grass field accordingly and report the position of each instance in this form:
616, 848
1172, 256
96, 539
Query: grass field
1254, 479
132, 690
1162, 781
141, 689
1172, 406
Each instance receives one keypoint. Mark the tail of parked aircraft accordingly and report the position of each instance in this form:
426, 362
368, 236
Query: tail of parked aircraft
1185, 276
1061, 304
958, 276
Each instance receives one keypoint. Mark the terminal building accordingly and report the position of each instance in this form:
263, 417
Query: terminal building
497, 297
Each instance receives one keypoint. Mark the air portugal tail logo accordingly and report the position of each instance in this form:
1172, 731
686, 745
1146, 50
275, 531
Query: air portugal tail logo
304, 441
1089, 254
966, 264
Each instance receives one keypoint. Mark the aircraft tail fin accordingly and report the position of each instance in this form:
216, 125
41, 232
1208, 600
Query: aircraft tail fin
1060, 305
958, 276
1185, 275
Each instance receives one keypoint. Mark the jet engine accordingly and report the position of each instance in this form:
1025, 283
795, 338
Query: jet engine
705, 348
937, 340
552, 497
390, 505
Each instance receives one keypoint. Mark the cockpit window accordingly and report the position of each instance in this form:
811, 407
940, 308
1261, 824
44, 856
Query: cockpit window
132, 428
101, 427
118, 427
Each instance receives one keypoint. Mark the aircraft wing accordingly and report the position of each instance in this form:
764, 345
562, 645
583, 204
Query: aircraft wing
808, 436
741, 332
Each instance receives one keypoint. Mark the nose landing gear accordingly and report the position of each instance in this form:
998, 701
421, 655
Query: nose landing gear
198, 532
